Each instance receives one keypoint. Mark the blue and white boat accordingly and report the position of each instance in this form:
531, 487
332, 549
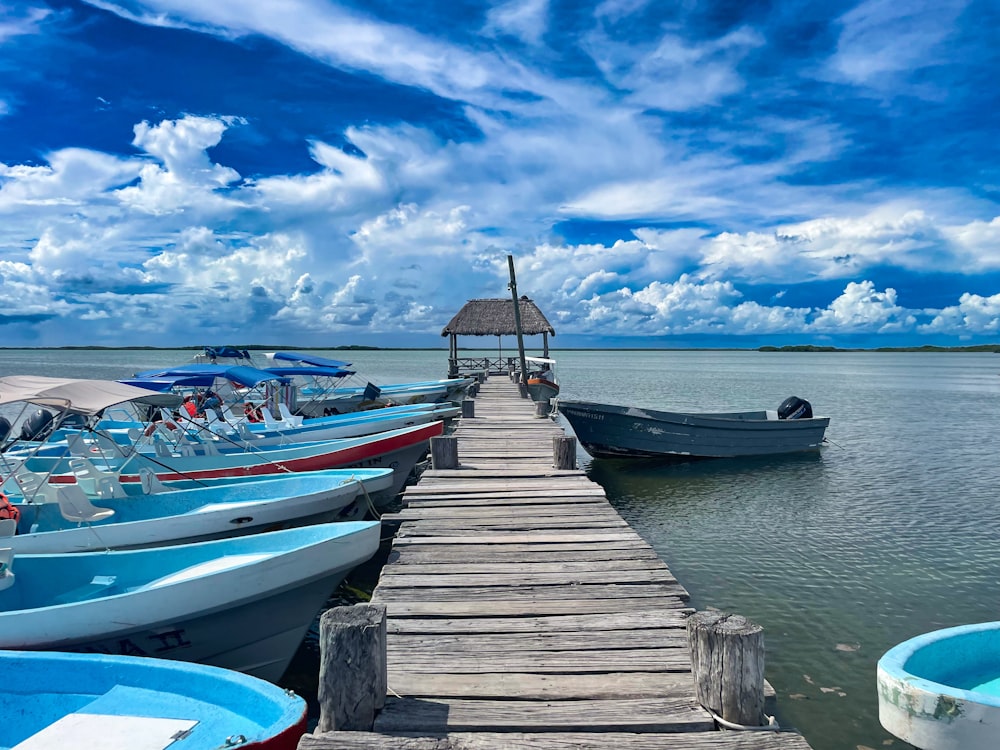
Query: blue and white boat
99, 512
320, 391
173, 455
65, 700
941, 690
242, 603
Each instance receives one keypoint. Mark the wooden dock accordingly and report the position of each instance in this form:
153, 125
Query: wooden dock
523, 612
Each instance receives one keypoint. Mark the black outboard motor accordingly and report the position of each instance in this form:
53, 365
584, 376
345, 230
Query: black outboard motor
794, 407
37, 426
5, 428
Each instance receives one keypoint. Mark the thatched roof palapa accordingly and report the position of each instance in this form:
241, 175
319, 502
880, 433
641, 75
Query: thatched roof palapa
495, 317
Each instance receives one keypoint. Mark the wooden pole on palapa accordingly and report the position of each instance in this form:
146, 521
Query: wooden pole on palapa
517, 321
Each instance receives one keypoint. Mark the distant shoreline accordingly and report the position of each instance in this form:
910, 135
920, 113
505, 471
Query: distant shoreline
980, 348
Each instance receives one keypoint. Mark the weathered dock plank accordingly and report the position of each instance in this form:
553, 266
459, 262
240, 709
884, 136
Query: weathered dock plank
554, 741
524, 612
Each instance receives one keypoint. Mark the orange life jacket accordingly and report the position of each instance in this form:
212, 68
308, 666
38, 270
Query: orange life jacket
8, 509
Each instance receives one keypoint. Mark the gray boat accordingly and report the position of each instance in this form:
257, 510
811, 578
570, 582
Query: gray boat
609, 431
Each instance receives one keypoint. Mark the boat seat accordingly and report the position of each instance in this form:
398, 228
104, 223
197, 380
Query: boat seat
150, 482
246, 433
76, 506
94, 480
287, 416
35, 487
269, 419
8, 527
6, 574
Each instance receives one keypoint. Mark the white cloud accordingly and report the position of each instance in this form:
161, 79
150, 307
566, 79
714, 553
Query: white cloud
675, 74
526, 20
862, 308
29, 21
973, 315
882, 38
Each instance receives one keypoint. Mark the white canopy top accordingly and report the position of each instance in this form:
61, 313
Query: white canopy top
75, 395
540, 360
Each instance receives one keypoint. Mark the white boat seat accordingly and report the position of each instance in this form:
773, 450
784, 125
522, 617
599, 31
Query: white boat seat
8, 527
150, 482
287, 416
109, 487
76, 506
269, 419
94, 480
35, 488
6, 574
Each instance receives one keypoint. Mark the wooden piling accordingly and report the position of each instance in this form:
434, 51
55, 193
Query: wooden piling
523, 389
542, 408
727, 662
444, 452
468, 408
564, 452
352, 673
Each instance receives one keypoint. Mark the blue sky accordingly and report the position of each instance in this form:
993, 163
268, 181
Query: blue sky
314, 173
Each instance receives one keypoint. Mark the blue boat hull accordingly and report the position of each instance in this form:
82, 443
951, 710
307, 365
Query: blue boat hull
610, 431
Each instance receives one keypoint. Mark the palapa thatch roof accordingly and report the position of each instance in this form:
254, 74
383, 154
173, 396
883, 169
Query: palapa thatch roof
495, 317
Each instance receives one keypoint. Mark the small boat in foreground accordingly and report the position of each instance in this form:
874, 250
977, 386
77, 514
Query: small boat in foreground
610, 431
242, 603
941, 690
100, 701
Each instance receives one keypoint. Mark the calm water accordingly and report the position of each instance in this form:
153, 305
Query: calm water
891, 531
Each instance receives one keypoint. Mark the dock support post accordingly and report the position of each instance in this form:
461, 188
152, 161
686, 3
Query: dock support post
523, 389
444, 451
353, 677
473, 390
542, 408
727, 661
468, 408
564, 452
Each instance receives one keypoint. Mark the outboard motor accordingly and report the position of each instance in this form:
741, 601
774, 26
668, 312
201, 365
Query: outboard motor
37, 426
74, 421
794, 407
5, 428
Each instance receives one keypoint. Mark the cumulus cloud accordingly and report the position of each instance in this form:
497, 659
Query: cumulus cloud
700, 187
973, 315
861, 308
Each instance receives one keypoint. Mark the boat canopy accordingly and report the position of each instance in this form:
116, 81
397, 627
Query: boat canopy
311, 370
200, 375
540, 360
77, 396
308, 359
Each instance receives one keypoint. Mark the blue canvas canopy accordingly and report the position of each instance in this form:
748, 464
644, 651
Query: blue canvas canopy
200, 375
329, 372
309, 359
